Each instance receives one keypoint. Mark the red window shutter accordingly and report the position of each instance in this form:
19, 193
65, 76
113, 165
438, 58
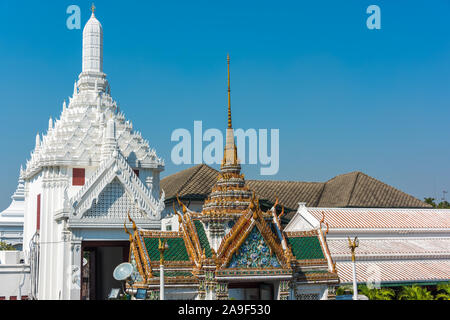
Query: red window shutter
2, 298
78, 177
24, 297
38, 213
136, 171
13, 298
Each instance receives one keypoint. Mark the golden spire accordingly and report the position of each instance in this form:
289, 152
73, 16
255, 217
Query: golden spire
230, 151
93, 8
229, 93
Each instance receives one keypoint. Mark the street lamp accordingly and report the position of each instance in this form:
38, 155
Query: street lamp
162, 246
353, 245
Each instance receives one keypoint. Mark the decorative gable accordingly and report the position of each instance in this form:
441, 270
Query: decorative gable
110, 192
254, 253
113, 204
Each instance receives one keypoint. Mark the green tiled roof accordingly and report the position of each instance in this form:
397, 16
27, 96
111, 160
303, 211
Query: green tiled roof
174, 274
203, 239
306, 248
176, 252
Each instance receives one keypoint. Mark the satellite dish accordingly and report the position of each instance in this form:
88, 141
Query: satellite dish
123, 271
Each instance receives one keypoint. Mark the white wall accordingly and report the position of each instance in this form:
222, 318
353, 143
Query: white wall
14, 277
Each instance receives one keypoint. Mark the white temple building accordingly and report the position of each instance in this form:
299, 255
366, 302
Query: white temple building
91, 172
85, 174
396, 246
11, 219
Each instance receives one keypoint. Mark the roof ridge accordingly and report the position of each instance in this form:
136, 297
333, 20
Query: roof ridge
391, 187
344, 174
189, 179
321, 194
353, 188
285, 181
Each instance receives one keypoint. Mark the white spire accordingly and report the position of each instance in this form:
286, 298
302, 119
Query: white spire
75, 89
93, 46
50, 124
20, 191
38, 142
109, 140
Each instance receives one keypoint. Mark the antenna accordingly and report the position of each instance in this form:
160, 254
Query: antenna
123, 273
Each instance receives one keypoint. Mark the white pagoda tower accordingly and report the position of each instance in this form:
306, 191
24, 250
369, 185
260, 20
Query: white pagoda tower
86, 173
11, 219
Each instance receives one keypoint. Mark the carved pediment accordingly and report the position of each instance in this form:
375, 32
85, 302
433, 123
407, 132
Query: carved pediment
115, 182
113, 203
254, 253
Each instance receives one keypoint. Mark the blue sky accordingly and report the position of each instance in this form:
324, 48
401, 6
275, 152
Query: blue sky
345, 98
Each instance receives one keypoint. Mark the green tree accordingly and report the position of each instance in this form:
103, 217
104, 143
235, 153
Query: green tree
377, 294
6, 247
345, 289
415, 292
430, 201
444, 205
443, 290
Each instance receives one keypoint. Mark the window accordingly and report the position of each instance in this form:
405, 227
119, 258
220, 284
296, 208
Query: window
78, 177
38, 213
136, 171
168, 227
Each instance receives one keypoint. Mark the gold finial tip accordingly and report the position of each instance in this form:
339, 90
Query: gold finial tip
93, 8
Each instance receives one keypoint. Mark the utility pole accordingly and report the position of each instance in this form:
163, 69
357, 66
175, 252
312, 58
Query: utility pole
443, 195
353, 245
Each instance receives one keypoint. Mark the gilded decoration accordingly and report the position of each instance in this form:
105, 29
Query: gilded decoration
136, 276
254, 253
231, 238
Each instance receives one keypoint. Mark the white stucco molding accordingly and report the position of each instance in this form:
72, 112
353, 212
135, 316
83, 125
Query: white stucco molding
302, 220
116, 167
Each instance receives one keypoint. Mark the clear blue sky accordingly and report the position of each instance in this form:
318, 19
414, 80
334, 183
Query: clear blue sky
345, 98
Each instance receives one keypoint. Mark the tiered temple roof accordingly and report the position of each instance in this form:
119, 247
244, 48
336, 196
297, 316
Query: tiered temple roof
253, 245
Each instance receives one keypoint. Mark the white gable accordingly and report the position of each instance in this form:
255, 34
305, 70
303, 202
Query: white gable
110, 192
302, 220
113, 204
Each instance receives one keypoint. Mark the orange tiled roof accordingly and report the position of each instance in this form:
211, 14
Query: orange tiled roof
383, 218
395, 271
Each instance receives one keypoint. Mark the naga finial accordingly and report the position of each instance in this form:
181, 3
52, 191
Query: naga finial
282, 212
126, 230
276, 202
132, 221
181, 204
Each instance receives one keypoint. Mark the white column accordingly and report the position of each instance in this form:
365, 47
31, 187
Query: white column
355, 284
75, 270
161, 282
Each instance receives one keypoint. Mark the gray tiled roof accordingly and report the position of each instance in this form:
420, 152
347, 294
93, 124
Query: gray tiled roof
354, 189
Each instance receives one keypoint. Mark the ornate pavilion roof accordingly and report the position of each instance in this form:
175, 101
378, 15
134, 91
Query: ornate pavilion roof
254, 246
